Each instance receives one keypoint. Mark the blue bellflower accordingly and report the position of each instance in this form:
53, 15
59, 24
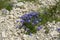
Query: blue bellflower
22, 21
39, 27
17, 20
58, 29
27, 20
32, 17
35, 21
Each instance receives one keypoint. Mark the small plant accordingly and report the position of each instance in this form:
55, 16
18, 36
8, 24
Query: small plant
53, 11
9, 7
30, 21
5, 4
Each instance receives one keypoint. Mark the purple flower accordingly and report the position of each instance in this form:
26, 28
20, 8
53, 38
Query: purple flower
30, 16
26, 15
22, 17
36, 16
17, 20
35, 21
17, 26
22, 21
27, 20
30, 34
39, 27
4, 11
58, 29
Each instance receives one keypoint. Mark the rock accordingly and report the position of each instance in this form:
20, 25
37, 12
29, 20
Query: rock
54, 33
4, 11
20, 4
3, 34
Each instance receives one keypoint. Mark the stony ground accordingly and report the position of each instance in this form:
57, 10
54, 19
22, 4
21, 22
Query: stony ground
8, 30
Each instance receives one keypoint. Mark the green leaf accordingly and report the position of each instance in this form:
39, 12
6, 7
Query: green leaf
5, 4
9, 7
31, 28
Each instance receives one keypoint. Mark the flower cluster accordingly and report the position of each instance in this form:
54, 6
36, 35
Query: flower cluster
30, 20
32, 17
